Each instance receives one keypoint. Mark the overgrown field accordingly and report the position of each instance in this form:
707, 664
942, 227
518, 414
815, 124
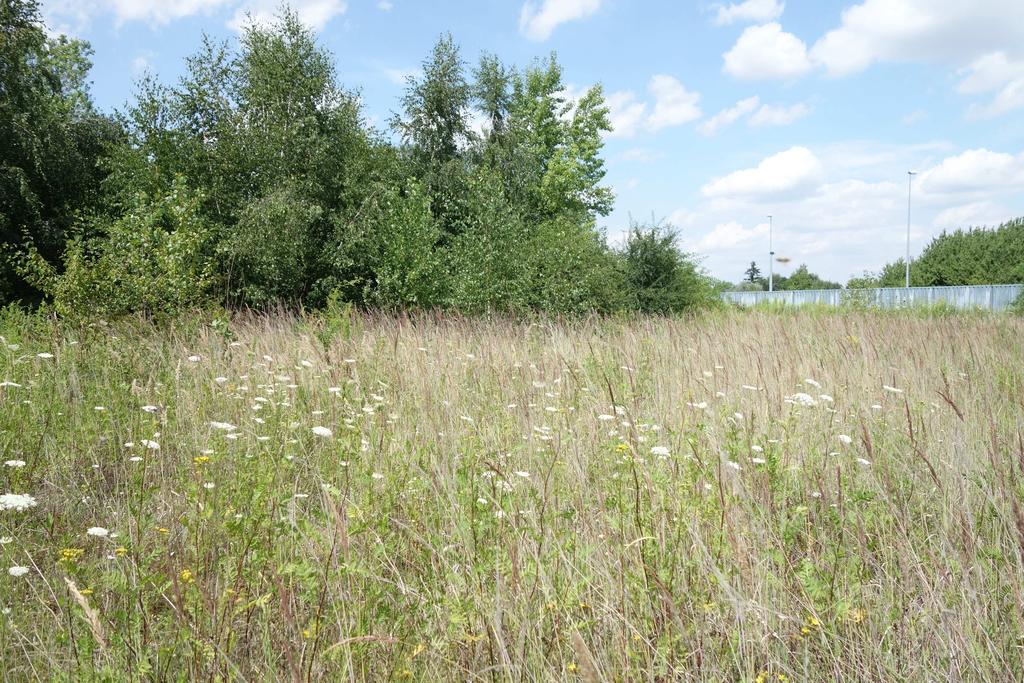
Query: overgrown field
733, 497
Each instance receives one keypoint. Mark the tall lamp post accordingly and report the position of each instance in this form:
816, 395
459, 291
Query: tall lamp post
771, 258
910, 177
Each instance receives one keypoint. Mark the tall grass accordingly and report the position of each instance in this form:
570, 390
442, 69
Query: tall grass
643, 499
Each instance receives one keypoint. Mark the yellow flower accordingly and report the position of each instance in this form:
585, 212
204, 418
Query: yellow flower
782, 677
572, 667
163, 530
857, 615
762, 677
622, 447
121, 551
418, 649
71, 554
187, 576
86, 591
201, 460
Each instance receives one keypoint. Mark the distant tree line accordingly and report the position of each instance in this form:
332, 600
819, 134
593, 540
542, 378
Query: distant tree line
256, 180
801, 278
975, 256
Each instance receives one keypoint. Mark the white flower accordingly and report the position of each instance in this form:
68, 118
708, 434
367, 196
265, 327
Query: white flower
734, 465
151, 445
814, 384
150, 409
16, 501
846, 439
44, 355
226, 426
757, 449
864, 462
605, 417
209, 485
660, 450
377, 475
698, 406
194, 359
826, 398
875, 406
521, 473
220, 380
18, 571
892, 390
757, 461
323, 431
14, 463
750, 387
135, 458
4, 540
803, 399
307, 364
97, 531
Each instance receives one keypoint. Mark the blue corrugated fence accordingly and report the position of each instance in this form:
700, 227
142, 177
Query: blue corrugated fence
988, 297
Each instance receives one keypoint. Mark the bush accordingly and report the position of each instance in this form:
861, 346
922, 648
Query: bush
268, 255
154, 259
661, 278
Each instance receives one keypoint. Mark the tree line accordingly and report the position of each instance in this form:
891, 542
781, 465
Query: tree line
256, 180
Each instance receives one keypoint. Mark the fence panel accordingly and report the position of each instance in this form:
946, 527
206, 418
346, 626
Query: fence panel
989, 297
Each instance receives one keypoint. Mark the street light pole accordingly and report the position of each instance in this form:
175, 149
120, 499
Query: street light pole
910, 177
771, 258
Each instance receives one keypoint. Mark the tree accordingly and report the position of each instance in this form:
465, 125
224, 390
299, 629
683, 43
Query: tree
802, 278
660, 278
752, 274
51, 140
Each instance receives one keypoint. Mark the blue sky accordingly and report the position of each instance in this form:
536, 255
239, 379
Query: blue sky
724, 113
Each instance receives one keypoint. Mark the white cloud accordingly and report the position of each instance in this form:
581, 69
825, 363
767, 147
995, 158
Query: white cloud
537, 23
625, 113
315, 13
975, 214
975, 171
767, 52
919, 30
993, 72
674, 105
681, 218
731, 235
784, 174
756, 11
76, 15
385, 5
778, 114
729, 116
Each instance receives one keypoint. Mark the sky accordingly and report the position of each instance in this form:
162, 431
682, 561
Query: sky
812, 112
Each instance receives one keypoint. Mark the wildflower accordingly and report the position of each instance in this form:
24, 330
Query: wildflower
864, 461
323, 432
226, 426
605, 417
826, 398
14, 463
44, 355
220, 380
698, 406
150, 409
307, 364
151, 445
846, 439
186, 576
18, 571
814, 384
135, 458
209, 485
521, 473
201, 460
758, 461
750, 387
121, 551
4, 540
892, 390
194, 359
377, 475
571, 668
734, 465
661, 451
71, 554
16, 501
757, 449
803, 399
97, 531
857, 615
875, 406
163, 530
622, 447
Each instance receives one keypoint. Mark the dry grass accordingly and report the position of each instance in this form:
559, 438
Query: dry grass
473, 517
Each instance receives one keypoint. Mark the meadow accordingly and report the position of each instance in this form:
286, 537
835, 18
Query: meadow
731, 496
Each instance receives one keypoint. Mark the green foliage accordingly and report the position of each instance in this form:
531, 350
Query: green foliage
660, 278
50, 140
976, 256
802, 278
154, 259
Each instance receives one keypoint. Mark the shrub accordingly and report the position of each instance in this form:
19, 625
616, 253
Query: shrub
154, 259
660, 277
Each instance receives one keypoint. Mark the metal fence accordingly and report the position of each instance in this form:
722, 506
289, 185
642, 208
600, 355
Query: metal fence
988, 297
